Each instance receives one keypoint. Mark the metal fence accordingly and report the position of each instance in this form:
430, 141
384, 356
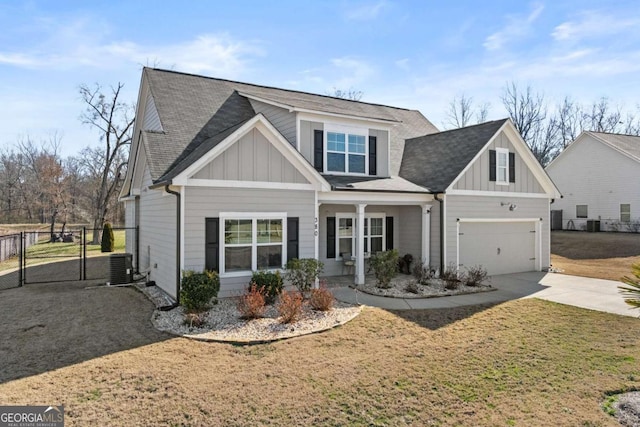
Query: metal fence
10, 244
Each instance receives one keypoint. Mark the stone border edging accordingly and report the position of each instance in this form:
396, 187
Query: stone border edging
488, 289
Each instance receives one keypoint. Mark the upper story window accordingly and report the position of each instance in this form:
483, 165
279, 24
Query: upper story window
502, 168
346, 150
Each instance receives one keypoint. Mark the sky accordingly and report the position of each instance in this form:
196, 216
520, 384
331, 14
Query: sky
412, 54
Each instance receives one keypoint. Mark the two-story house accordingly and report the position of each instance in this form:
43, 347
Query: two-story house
236, 177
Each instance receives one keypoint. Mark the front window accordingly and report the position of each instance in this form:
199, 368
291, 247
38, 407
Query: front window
625, 212
253, 244
347, 150
502, 165
345, 236
374, 238
582, 211
373, 235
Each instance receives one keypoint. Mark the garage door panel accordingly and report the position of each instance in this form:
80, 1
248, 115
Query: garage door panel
501, 248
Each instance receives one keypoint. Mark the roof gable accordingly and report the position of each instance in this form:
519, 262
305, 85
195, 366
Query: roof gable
626, 144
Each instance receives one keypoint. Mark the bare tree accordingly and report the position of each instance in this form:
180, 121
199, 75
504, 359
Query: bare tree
462, 111
351, 94
113, 118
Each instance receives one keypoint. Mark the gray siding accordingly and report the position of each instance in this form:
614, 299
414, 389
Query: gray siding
280, 118
202, 202
383, 151
252, 158
151, 119
158, 235
306, 138
477, 176
489, 207
130, 223
410, 233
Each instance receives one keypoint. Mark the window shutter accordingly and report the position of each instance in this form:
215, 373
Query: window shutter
389, 230
512, 167
373, 158
331, 237
492, 165
212, 244
292, 238
318, 149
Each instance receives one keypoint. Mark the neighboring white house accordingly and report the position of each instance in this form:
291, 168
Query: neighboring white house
236, 177
599, 178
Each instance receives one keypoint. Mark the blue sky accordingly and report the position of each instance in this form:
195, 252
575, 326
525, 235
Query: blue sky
413, 54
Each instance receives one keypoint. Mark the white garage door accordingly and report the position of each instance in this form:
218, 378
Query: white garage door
500, 247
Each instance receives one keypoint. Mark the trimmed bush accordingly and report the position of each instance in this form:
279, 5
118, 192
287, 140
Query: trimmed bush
475, 276
197, 289
251, 305
195, 320
385, 267
270, 282
451, 277
302, 273
108, 241
412, 287
423, 273
321, 299
290, 306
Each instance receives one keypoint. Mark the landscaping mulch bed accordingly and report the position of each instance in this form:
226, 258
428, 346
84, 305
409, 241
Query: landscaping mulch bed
435, 288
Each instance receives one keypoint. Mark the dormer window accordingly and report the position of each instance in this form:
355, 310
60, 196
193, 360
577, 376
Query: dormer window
346, 150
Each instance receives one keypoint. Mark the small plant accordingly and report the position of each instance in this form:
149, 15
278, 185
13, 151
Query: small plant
198, 289
632, 292
108, 241
633, 226
290, 306
321, 299
385, 267
451, 277
271, 283
412, 287
423, 273
475, 275
251, 305
302, 273
195, 320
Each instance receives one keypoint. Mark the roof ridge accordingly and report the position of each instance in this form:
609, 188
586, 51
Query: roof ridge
278, 88
462, 128
613, 133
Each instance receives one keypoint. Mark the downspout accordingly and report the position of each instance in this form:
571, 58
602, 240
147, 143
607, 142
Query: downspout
439, 198
178, 220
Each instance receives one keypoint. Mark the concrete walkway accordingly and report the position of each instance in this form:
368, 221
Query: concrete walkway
594, 294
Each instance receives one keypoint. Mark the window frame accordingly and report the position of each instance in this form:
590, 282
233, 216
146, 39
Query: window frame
586, 215
367, 235
628, 212
346, 131
500, 152
254, 217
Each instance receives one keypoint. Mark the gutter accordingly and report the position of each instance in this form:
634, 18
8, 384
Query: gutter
178, 220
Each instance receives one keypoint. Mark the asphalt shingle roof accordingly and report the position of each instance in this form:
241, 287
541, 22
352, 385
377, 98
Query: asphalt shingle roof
434, 161
197, 111
629, 144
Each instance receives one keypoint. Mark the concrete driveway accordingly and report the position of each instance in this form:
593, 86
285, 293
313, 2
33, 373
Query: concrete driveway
594, 294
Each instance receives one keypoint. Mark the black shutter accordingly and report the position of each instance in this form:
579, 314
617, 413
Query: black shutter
373, 158
212, 244
331, 237
492, 165
292, 238
512, 167
318, 149
389, 237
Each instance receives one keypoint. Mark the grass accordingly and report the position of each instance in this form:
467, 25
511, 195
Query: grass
45, 251
600, 255
525, 362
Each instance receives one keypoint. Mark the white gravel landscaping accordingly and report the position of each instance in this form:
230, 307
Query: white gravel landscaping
435, 288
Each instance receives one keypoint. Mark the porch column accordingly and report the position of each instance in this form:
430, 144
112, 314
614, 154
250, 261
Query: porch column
359, 279
426, 233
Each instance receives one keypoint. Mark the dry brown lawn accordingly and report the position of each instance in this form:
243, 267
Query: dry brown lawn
525, 362
600, 255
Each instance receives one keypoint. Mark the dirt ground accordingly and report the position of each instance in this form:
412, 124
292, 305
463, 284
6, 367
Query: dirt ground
600, 255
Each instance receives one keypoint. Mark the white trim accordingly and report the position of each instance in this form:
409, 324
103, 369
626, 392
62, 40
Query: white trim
455, 192
346, 131
252, 215
504, 152
426, 234
498, 219
127, 198
377, 198
298, 134
182, 191
196, 182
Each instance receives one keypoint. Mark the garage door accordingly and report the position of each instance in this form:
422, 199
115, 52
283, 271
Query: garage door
500, 247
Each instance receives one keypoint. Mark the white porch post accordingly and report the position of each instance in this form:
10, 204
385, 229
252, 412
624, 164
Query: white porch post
359, 279
426, 234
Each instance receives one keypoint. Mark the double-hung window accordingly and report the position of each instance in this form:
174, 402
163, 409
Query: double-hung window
625, 212
346, 149
502, 166
253, 243
374, 234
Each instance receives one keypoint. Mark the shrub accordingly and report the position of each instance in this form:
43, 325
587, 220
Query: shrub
632, 292
195, 320
385, 267
633, 226
108, 241
423, 273
451, 277
290, 306
412, 287
271, 283
251, 305
321, 299
197, 289
475, 275
302, 273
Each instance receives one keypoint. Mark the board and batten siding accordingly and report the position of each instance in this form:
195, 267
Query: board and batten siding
157, 218
489, 207
151, 120
477, 176
410, 233
593, 174
280, 118
205, 202
306, 138
252, 158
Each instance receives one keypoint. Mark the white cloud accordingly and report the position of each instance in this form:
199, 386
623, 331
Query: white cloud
352, 72
517, 26
593, 25
366, 12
